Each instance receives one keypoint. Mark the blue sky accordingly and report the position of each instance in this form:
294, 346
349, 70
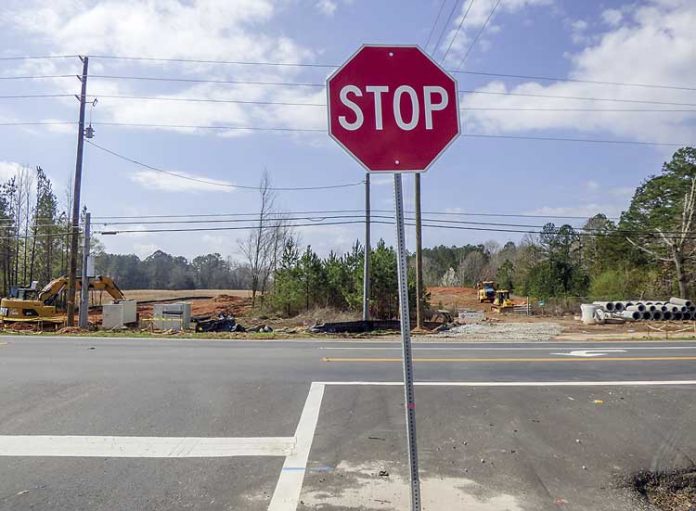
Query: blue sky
648, 42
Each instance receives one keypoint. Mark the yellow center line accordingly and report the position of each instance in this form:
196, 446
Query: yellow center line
509, 360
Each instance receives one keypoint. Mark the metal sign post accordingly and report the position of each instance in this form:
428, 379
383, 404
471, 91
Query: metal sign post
409, 395
394, 109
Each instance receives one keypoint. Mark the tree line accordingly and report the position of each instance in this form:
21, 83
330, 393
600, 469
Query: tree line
649, 251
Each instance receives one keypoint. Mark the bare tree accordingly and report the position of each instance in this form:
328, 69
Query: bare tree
678, 250
265, 242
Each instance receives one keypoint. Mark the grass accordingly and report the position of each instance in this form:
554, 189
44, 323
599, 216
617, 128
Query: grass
145, 295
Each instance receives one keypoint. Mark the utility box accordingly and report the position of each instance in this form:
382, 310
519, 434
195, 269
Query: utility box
171, 316
120, 314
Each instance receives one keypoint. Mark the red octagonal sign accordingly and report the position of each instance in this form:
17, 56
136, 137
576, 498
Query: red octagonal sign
393, 108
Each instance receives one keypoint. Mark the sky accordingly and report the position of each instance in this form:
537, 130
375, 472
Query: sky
648, 42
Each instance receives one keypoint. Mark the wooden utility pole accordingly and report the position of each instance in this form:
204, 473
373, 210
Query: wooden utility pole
419, 257
84, 289
366, 268
75, 234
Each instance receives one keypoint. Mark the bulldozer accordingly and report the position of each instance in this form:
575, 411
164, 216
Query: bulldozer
31, 305
486, 291
502, 301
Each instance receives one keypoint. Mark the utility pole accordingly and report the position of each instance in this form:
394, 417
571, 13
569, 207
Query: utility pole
419, 257
72, 275
366, 268
84, 290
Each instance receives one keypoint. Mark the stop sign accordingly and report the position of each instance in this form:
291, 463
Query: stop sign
393, 108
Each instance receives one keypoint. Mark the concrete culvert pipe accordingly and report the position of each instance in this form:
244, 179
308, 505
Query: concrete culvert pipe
666, 315
636, 307
656, 315
692, 309
631, 315
674, 308
663, 308
687, 316
628, 304
677, 316
652, 308
680, 301
647, 315
619, 306
607, 306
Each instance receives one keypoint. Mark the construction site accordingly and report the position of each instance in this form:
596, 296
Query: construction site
457, 313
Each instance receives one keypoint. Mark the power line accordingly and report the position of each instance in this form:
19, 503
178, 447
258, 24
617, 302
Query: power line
212, 61
583, 98
36, 96
334, 66
204, 80
209, 127
316, 130
321, 85
345, 211
38, 57
572, 80
235, 228
456, 33
217, 183
432, 30
284, 103
205, 100
483, 27
35, 77
444, 27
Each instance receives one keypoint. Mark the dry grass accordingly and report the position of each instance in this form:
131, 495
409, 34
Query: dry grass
144, 295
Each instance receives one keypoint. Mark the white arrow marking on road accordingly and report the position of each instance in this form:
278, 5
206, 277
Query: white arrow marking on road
589, 353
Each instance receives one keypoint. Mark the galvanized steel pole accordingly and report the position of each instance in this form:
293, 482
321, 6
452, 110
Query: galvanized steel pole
366, 268
409, 395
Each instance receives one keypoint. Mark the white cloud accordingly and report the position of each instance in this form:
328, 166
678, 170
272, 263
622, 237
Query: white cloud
579, 31
612, 17
657, 45
170, 183
189, 29
475, 18
582, 210
9, 169
591, 185
327, 7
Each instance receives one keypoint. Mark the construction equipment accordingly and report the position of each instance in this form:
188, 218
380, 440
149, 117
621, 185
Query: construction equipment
486, 291
20, 306
502, 301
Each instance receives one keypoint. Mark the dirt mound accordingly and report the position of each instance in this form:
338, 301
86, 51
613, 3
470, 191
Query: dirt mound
454, 297
22, 327
70, 330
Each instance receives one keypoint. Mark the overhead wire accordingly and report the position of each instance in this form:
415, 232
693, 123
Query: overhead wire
217, 183
456, 32
444, 27
478, 34
432, 29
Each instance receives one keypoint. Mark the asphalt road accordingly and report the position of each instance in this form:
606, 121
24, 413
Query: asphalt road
117, 424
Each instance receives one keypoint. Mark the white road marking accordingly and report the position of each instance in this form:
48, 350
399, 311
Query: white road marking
589, 353
143, 447
517, 383
455, 348
287, 491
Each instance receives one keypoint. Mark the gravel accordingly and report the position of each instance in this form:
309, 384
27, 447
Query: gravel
504, 331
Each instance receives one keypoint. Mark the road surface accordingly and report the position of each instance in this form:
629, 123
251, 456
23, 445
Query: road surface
122, 424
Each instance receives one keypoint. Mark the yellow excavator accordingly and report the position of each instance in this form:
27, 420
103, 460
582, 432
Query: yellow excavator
31, 305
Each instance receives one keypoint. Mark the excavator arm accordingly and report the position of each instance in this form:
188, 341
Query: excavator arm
51, 290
